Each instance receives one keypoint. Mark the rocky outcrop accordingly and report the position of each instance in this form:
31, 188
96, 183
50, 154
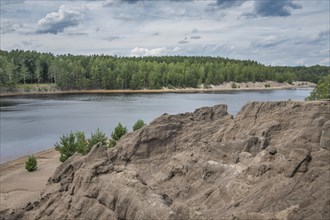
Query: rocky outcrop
269, 162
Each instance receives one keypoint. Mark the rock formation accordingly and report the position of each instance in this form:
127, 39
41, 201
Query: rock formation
272, 161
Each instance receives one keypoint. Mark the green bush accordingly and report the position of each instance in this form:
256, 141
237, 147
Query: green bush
322, 89
119, 131
31, 164
233, 86
112, 143
97, 137
71, 143
138, 124
77, 142
81, 143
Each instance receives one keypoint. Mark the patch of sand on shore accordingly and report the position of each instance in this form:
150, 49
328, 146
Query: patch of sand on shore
227, 86
18, 186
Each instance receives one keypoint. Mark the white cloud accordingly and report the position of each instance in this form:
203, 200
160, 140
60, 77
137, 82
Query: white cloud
300, 61
326, 51
195, 37
140, 52
56, 22
194, 31
325, 61
108, 3
183, 41
8, 27
154, 28
268, 41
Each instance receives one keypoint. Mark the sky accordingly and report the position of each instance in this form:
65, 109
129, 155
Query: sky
272, 32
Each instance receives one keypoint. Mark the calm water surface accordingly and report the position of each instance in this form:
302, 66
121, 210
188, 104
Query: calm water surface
33, 124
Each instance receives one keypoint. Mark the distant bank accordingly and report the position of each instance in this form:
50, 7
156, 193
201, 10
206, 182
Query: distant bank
45, 89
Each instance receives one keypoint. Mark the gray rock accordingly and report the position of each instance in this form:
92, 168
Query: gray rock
184, 167
325, 136
272, 150
298, 160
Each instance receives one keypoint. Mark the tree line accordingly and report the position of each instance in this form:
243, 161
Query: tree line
112, 72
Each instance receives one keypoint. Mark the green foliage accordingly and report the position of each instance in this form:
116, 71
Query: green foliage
119, 131
81, 143
71, 143
108, 72
322, 89
77, 142
138, 124
31, 163
112, 143
97, 137
267, 85
170, 86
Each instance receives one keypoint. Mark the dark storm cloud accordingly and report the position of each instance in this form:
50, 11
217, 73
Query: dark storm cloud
56, 22
274, 8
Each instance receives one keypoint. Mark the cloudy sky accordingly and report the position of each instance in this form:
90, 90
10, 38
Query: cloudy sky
273, 32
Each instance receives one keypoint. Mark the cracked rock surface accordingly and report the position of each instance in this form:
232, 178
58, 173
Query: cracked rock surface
272, 161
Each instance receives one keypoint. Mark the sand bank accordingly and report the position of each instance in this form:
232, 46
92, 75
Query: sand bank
18, 186
228, 86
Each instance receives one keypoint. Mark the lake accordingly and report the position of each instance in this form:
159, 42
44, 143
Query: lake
35, 123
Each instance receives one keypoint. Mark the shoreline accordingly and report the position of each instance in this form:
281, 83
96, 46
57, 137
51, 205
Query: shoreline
225, 87
21, 159
18, 186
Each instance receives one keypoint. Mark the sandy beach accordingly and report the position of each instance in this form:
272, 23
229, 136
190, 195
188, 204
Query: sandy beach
18, 186
228, 86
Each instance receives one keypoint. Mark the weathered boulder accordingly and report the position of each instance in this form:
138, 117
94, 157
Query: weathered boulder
325, 136
269, 162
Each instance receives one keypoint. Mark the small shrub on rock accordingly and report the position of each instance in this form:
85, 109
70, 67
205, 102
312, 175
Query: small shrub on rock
138, 124
31, 163
97, 137
77, 142
119, 131
71, 143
